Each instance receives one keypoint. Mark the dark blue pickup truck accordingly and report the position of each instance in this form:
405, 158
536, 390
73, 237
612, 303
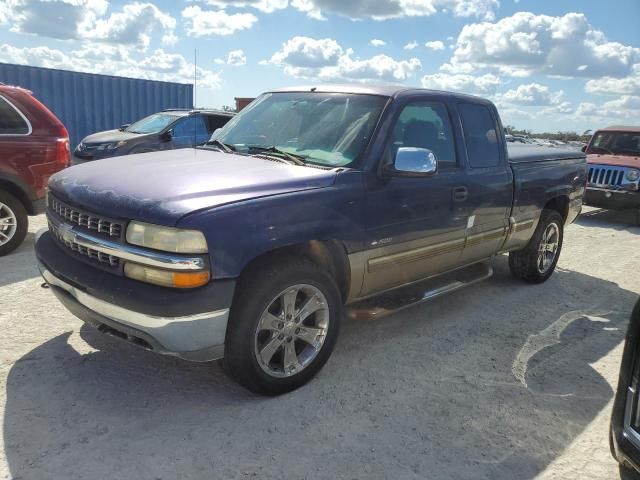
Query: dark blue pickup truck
311, 198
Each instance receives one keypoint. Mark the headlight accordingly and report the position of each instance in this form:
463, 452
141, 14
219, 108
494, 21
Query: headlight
633, 175
111, 146
167, 239
166, 278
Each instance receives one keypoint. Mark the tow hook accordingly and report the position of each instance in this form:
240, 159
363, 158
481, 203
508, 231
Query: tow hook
44, 285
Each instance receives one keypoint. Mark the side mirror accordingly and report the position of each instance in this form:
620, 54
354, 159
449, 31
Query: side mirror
584, 149
413, 162
167, 136
124, 126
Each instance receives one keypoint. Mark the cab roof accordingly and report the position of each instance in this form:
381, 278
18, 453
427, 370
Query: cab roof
620, 128
190, 111
380, 90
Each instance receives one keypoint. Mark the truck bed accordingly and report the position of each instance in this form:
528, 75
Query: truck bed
519, 153
541, 174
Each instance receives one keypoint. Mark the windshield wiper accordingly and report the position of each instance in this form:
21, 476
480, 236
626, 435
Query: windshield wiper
296, 159
223, 146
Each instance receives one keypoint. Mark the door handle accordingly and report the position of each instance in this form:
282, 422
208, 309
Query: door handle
460, 194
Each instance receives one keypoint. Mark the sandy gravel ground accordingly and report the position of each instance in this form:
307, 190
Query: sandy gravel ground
500, 381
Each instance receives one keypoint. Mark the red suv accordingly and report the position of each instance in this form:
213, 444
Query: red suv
34, 145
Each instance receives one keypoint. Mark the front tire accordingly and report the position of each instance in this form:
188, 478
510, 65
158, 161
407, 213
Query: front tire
14, 223
536, 262
283, 325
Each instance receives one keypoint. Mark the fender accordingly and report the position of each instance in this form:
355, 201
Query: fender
238, 233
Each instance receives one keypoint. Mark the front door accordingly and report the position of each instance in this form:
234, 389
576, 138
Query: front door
416, 226
189, 132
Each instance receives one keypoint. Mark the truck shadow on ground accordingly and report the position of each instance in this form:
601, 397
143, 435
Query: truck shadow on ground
431, 392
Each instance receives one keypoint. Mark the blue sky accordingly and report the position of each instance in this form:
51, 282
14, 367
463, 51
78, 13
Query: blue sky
561, 65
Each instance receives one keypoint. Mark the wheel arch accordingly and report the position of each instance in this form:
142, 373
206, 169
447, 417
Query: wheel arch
329, 255
560, 204
18, 192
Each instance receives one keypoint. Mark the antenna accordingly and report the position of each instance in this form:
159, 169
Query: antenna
195, 85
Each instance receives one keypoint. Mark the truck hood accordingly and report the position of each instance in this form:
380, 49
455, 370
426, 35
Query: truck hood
162, 187
614, 160
109, 136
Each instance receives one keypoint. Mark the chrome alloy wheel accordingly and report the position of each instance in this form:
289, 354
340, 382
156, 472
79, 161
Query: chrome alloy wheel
548, 247
292, 330
8, 224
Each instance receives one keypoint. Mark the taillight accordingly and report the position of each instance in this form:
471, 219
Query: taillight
63, 153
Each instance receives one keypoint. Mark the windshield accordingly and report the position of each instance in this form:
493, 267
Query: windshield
322, 128
152, 124
618, 143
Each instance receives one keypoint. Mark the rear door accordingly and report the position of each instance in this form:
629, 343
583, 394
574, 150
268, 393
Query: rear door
416, 226
24, 152
489, 181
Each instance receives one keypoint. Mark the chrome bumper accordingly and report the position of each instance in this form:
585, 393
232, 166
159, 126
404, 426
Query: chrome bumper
195, 337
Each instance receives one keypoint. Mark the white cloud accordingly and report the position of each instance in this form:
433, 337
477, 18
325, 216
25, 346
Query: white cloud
525, 43
510, 115
435, 45
308, 53
611, 86
379, 67
236, 58
621, 109
482, 84
267, 6
532, 94
377, 42
325, 59
411, 45
384, 9
113, 60
202, 23
135, 24
62, 19
561, 108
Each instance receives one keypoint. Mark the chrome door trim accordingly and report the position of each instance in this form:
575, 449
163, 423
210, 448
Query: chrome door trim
523, 225
488, 236
376, 264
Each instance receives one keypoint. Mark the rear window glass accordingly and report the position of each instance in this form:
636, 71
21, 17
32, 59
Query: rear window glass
11, 122
480, 135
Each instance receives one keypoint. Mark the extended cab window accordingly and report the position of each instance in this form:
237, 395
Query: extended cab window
480, 135
11, 122
426, 125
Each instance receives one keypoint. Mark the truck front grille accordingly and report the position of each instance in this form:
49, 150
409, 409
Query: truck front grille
103, 258
86, 220
603, 176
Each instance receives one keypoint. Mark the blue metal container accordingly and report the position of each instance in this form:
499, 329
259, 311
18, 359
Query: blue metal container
87, 103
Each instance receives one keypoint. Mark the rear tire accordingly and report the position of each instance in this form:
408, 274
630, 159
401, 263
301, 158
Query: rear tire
14, 223
273, 344
536, 262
